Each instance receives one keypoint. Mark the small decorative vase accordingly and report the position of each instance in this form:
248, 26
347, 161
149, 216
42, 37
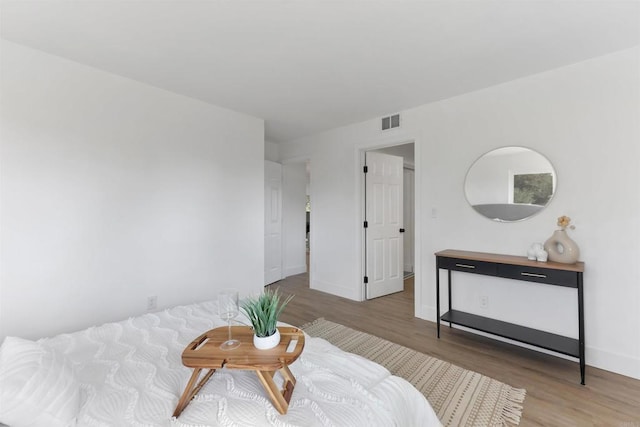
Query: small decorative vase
266, 343
542, 256
534, 251
561, 248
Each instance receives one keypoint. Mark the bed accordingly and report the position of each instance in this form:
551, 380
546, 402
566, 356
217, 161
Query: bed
130, 373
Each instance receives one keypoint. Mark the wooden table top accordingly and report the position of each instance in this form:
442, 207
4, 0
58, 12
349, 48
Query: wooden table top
509, 259
205, 352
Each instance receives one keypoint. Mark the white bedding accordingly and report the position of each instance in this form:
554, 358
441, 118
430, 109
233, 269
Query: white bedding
131, 374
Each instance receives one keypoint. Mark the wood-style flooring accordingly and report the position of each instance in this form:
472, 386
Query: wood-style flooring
554, 394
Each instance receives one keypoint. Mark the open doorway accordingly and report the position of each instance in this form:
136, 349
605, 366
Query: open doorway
296, 211
389, 252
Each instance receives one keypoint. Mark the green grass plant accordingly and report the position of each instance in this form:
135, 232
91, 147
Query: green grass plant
264, 310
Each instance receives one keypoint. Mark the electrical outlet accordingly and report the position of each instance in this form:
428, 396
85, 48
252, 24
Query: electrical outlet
484, 301
152, 303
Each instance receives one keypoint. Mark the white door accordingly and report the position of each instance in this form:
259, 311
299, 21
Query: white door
383, 236
272, 222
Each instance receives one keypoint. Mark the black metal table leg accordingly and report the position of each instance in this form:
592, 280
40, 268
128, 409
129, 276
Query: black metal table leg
438, 297
449, 290
581, 328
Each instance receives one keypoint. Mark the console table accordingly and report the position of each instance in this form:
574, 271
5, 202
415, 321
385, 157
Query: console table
518, 268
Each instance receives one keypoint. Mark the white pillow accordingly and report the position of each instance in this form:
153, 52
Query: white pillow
37, 386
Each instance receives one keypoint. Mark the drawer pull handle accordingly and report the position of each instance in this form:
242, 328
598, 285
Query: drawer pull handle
466, 266
542, 276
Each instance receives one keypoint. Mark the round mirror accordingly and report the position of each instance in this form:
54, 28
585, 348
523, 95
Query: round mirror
510, 184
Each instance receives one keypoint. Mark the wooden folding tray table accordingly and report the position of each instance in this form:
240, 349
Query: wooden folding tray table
204, 353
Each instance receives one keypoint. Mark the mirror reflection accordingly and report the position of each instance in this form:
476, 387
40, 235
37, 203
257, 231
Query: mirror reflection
510, 184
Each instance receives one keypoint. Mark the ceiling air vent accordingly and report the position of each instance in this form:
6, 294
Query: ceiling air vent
391, 122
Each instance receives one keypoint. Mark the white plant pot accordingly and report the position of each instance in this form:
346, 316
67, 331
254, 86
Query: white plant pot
265, 343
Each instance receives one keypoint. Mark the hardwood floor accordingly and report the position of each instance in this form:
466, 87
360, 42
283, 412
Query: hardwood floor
554, 394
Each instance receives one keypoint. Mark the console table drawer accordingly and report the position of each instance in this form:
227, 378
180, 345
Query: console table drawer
540, 275
468, 266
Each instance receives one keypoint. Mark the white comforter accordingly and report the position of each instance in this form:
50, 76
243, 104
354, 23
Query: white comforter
131, 374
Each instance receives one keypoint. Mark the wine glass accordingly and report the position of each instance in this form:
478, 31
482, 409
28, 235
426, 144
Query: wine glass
228, 309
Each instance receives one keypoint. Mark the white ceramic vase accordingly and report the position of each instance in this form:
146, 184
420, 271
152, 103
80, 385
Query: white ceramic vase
266, 343
561, 248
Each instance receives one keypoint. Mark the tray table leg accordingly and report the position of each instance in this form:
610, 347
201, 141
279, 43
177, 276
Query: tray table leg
289, 383
192, 389
279, 398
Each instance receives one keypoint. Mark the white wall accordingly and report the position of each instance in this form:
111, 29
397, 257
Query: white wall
113, 191
271, 151
294, 200
585, 119
334, 234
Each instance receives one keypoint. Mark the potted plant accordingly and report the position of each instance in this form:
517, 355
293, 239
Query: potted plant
263, 312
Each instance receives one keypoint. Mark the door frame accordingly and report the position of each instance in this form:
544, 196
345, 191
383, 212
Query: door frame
412, 235
361, 211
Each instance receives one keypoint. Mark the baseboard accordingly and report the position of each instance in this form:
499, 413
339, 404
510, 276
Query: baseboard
427, 313
619, 363
292, 271
334, 289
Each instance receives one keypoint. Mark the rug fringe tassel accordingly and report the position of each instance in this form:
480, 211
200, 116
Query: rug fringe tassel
318, 320
512, 411
517, 395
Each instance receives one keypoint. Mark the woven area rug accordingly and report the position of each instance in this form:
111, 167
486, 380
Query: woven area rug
458, 396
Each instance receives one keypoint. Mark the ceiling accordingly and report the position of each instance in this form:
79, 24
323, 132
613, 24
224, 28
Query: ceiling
307, 66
